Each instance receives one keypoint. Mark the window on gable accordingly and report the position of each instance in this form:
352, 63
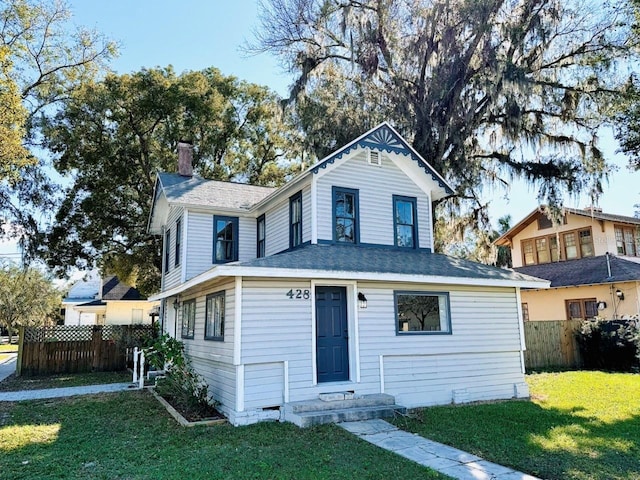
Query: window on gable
422, 313
295, 220
625, 241
345, 215
214, 317
225, 237
581, 309
261, 236
405, 222
178, 241
167, 250
544, 222
188, 318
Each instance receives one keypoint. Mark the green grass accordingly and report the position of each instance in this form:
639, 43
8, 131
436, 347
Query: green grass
129, 436
579, 426
13, 383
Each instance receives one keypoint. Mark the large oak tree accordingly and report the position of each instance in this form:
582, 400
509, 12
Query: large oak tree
485, 90
113, 136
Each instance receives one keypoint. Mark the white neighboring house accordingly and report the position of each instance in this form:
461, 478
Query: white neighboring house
328, 288
107, 301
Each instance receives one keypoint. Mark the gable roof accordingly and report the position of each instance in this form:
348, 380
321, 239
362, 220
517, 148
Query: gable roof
114, 289
585, 271
505, 238
330, 261
211, 193
384, 138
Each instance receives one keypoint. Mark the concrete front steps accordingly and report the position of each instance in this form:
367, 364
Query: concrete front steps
341, 407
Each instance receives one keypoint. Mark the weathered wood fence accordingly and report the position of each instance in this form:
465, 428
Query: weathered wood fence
75, 349
552, 343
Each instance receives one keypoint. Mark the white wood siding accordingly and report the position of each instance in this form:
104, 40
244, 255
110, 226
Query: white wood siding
174, 275
264, 385
277, 228
376, 187
481, 357
200, 242
246, 238
306, 214
213, 359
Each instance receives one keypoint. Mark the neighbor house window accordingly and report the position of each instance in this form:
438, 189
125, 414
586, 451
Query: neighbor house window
214, 317
261, 236
542, 248
528, 253
581, 309
295, 220
544, 222
178, 241
167, 250
525, 312
225, 237
188, 318
626, 241
586, 243
422, 313
405, 222
570, 246
345, 215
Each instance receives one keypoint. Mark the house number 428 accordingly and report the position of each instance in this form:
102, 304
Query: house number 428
297, 293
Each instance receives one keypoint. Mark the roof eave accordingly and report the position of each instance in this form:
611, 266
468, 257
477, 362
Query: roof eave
269, 272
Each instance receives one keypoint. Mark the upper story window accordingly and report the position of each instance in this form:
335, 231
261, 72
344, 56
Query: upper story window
261, 236
544, 222
178, 241
422, 312
345, 215
225, 237
626, 241
405, 222
295, 220
574, 244
167, 249
214, 317
188, 318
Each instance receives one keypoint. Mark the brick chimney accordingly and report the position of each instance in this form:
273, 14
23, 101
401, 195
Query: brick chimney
185, 158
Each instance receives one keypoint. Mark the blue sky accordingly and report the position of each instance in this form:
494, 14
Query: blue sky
192, 35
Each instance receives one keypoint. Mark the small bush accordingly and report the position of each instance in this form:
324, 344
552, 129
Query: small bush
181, 386
609, 345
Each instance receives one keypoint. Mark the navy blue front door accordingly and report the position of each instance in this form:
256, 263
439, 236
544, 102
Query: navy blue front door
332, 335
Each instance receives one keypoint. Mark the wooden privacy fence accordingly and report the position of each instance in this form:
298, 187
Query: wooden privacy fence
78, 348
552, 343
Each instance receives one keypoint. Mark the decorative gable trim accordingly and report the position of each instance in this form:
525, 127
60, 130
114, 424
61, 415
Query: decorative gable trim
384, 139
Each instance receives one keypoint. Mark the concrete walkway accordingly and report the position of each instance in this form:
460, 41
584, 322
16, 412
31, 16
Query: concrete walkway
447, 460
8, 366
64, 392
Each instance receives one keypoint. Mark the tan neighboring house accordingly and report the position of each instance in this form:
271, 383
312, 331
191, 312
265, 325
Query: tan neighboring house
106, 301
592, 260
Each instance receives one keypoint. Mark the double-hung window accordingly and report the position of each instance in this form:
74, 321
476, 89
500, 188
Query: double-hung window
188, 318
626, 241
345, 215
214, 317
405, 222
225, 238
422, 313
167, 250
178, 241
261, 236
295, 220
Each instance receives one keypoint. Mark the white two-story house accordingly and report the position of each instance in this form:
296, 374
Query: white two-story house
329, 285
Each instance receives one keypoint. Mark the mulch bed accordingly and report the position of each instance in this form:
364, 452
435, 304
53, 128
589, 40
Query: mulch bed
193, 414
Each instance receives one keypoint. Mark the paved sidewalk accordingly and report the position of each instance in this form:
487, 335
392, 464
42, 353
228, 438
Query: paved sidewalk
8, 366
64, 392
443, 458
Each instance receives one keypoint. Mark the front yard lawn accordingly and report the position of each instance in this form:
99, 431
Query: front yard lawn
129, 436
579, 425
13, 383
